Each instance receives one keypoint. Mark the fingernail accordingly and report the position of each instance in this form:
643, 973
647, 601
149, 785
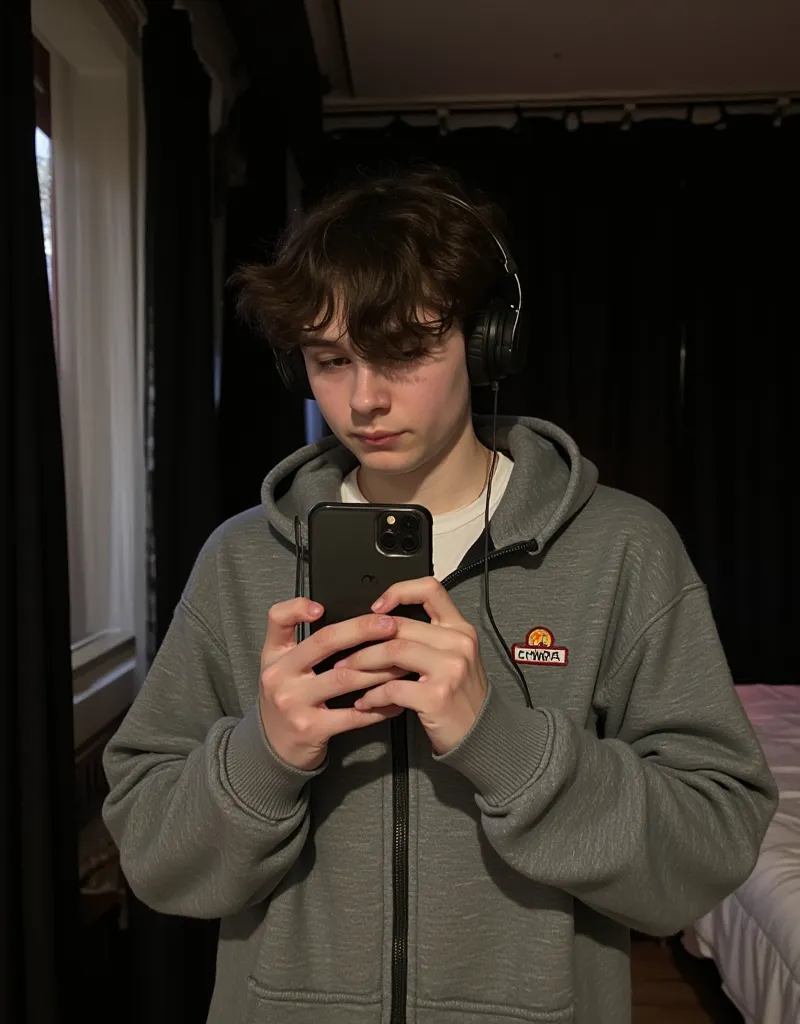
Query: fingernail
378, 604
315, 609
386, 622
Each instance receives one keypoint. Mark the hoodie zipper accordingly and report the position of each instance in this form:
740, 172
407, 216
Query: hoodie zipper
527, 545
399, 734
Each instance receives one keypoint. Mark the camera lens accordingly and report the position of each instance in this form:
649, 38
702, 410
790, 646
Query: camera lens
388, 540
409, 523
409, 544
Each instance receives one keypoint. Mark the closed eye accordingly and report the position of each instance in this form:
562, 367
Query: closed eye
328, 365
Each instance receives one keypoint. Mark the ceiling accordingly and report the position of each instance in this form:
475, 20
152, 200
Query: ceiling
401, 54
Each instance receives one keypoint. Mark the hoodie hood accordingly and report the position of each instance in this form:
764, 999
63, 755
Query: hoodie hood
550, 482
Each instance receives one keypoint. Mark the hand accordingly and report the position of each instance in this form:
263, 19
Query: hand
292, 697
452, 683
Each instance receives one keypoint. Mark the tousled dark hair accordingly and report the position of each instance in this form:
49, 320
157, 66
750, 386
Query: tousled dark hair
376, 253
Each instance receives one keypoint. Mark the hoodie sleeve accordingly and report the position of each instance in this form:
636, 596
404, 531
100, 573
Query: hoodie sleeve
654, 825
207, 818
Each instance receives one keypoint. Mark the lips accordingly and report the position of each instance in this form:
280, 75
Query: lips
379, 439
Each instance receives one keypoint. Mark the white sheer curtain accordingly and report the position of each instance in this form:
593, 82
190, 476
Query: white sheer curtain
140, 597
98, 231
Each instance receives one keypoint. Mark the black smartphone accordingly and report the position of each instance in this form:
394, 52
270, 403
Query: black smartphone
356, 552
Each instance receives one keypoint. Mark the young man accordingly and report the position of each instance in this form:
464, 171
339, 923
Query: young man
492, 868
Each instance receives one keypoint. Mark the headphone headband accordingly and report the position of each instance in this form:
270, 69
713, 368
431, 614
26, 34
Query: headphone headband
509, 263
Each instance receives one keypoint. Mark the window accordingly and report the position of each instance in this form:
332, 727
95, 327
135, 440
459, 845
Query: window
88, 115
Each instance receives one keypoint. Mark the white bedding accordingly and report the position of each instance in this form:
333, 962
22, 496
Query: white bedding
754, 935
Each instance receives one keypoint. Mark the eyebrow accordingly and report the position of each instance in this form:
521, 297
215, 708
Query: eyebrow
320, 343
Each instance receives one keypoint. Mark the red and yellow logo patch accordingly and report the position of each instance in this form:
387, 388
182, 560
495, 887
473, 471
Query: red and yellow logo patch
540, 649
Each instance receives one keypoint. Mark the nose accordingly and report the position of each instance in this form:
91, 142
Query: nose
369, 390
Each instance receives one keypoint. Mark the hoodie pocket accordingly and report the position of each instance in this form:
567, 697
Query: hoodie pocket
322, 937
323, 929
266, 1006
485, 934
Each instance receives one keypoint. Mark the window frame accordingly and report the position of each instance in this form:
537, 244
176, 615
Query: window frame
41, 85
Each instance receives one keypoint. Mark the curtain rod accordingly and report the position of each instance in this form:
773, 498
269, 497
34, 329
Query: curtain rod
523, 103
462, 112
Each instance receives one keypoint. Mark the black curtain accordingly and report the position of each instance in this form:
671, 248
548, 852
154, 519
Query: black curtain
259, 421
172, 958
660, 269
38, 850
741, 510
183, 450
280, 113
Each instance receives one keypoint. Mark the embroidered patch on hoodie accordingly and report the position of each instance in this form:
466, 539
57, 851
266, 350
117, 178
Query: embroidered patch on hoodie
540, 649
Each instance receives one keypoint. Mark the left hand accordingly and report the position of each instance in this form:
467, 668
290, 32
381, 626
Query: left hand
452, 683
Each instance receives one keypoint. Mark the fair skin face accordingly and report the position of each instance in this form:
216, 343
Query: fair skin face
437, 460
433, 458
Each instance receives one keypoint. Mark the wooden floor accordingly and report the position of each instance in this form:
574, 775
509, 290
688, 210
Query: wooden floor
670, 985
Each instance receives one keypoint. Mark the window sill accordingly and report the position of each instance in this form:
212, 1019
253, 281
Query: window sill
103, 682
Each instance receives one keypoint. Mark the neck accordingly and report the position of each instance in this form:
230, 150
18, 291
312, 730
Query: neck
449, 481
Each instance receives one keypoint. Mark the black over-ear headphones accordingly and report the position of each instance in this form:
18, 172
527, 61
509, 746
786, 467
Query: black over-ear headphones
495, 346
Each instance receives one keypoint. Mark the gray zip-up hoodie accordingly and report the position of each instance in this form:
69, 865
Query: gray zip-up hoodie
497, 882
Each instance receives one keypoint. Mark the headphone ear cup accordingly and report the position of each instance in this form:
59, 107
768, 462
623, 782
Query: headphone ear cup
493, 349
475, 347
292, 370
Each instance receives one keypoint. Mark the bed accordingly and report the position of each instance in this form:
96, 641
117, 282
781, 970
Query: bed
753, 936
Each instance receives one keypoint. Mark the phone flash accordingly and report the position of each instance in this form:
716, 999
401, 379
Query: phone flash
391, 520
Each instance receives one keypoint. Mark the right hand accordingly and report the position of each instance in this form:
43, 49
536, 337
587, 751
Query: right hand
296, 720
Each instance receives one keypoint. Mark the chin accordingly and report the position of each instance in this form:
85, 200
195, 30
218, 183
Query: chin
392, 463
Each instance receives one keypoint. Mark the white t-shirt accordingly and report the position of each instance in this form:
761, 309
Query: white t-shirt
454, 533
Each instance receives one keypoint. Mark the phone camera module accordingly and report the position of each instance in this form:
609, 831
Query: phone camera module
399, 533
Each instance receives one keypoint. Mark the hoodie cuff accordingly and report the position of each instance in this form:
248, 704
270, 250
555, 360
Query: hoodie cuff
261, 781
504, 750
